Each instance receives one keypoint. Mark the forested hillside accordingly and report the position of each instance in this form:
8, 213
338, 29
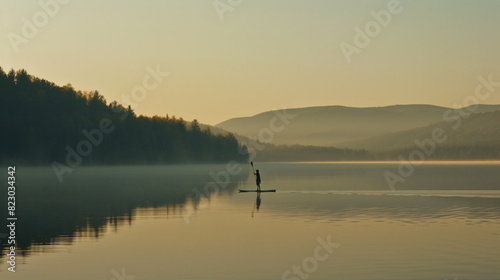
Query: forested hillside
42, 123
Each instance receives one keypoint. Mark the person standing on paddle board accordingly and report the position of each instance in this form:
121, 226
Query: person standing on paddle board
257, 179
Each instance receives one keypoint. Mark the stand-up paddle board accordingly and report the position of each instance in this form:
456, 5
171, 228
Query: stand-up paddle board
257, 191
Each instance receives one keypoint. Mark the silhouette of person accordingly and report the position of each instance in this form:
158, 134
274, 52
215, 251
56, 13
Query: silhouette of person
257, 179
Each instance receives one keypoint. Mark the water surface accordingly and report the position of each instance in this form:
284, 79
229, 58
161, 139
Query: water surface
181, 222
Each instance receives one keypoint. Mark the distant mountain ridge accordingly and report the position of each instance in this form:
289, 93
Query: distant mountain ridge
340, 125
482, 129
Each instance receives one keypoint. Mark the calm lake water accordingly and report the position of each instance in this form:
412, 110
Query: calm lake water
326, 221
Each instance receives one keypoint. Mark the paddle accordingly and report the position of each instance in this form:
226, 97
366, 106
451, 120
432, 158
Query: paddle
251, 163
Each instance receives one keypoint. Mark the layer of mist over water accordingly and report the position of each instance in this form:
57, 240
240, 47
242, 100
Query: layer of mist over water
190, 222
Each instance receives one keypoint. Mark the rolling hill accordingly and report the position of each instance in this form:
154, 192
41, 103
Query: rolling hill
340, 126
482, 129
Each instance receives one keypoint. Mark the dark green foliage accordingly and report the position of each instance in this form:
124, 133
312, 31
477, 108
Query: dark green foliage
40, 119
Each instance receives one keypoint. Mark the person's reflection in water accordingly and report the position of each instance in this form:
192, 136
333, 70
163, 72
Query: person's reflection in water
257, 204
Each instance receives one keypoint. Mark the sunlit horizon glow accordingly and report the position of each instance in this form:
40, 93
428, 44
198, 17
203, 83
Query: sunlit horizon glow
264, 55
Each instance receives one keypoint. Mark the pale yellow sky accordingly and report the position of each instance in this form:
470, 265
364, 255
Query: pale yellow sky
262, 54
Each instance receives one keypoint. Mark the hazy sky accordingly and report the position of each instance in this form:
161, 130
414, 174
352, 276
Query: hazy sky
263, 55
